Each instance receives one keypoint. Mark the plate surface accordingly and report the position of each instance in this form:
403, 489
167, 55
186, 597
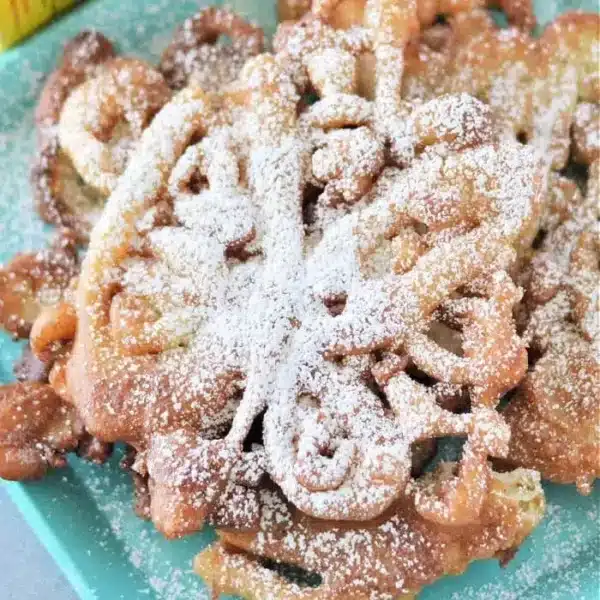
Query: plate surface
83, 513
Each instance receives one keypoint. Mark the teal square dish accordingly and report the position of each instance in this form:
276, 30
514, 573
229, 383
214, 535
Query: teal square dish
82, 514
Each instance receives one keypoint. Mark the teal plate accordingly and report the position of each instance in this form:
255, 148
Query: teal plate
82, 514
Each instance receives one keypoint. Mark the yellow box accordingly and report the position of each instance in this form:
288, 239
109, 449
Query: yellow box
18, 18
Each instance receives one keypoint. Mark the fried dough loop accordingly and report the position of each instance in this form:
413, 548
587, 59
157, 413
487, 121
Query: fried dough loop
36, 280
60, 196
558, 400
37, 429
394, 556
105, 115
194, 56
92, 109
347, 164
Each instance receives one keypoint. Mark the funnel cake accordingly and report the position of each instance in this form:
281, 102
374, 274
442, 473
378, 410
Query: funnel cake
199, 230
394, 257
540, 80
196, 231
38, 427
392, 557
300, 282
80, 58
555, 414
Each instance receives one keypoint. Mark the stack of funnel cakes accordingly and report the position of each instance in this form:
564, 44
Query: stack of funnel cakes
311, 268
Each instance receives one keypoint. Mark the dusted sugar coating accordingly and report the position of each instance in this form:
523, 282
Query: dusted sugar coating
103, 117
60, 197
302, 294
586, 133
32, 281
392, 557
37, 429
288, 10
198, 231
196, 57
554, 417
343, 14
533, 85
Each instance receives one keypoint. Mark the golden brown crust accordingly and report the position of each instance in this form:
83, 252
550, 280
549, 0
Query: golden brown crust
493, 65
99, 122
31, 281
58, 86
103, 117
61, 197
343, 14
81, 55
53, 331
37, 428
397, 554
58, 192
194, 56
553, 419
555, 413
292, 10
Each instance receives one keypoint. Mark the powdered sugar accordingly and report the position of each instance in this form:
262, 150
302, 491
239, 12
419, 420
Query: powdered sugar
237, 301
276, 350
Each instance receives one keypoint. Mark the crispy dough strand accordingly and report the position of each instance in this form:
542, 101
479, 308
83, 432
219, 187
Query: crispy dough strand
35, 280
126, 92
37, 428
394, 556
195, 57
558, 400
